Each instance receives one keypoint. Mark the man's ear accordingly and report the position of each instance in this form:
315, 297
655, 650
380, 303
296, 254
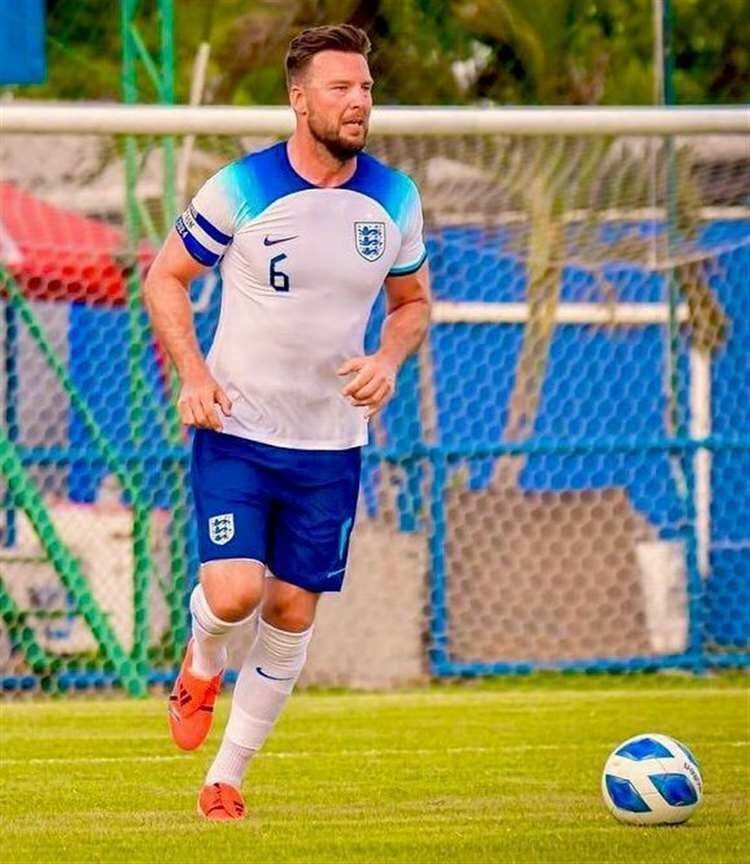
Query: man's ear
297, 99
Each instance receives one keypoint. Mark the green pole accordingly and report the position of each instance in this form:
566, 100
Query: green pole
138, 394
166, 18
178, 527
161, 76
667, 29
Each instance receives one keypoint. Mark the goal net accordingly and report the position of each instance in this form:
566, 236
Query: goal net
561, 479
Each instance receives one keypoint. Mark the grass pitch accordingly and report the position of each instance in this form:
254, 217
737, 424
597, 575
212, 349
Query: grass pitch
501, 771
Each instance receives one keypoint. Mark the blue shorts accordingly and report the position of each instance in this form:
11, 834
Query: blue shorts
292, 510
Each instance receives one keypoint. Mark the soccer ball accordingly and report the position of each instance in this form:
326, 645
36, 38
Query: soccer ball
652, 780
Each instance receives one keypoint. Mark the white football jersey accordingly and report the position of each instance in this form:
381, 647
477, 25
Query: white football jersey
301, 267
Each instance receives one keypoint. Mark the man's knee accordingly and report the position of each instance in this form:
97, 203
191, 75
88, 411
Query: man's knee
233, 589
293, 613
233, 608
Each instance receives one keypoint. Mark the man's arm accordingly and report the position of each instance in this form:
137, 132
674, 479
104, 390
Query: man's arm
406, 324
168, 302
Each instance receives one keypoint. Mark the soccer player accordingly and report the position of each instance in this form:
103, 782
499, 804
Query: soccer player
306, 233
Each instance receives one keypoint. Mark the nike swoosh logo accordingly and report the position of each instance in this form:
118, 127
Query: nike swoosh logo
268, 242
272, 677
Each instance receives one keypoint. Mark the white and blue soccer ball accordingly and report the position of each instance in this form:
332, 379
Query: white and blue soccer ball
652, 779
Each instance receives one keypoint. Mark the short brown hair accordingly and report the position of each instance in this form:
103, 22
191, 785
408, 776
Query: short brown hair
308, 43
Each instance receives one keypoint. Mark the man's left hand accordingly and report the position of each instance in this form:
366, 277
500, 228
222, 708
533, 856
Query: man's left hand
373, 384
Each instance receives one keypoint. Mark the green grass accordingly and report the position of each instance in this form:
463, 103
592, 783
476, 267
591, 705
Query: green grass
504, 771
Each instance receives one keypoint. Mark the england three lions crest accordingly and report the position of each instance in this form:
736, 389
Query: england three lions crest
370, 239
221, 528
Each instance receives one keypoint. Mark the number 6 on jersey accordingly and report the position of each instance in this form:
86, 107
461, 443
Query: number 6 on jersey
278, 280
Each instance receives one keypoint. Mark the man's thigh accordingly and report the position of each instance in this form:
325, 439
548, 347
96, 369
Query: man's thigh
232, 504
312, 523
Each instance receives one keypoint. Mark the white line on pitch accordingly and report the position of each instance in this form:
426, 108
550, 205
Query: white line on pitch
290, 754
310, 754
89, 760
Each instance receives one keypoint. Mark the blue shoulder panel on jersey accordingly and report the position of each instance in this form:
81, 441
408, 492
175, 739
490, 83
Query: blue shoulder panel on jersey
394, 191
256, 181
259, 179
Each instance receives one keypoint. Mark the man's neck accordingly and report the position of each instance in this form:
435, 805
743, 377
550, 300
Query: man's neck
315, 162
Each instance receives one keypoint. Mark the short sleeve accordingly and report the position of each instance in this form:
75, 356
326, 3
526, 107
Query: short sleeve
208, 224
412, 254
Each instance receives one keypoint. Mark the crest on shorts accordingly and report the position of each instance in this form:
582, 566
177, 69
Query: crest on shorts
370, 239
221, 528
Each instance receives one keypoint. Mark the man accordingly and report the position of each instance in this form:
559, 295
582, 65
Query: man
307, 232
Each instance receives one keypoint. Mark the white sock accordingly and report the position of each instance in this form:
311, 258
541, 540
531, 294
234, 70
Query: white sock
230, 764
267, 678
210, 636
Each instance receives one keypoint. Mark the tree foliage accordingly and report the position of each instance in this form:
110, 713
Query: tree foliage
424, 51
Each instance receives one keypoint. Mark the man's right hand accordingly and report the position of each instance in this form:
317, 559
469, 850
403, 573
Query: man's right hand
199, 396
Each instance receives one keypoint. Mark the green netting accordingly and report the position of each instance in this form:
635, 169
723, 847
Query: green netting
533, 497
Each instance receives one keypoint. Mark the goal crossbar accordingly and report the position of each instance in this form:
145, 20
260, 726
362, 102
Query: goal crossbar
214, 120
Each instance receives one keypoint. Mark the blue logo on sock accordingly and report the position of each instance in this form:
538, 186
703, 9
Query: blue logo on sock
272, 677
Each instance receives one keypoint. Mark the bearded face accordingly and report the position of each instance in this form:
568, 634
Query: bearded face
335, 98
342, 136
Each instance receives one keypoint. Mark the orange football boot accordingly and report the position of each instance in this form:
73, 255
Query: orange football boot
191, 705
220, 801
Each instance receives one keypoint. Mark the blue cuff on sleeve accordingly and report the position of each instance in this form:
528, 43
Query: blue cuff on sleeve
407, 269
